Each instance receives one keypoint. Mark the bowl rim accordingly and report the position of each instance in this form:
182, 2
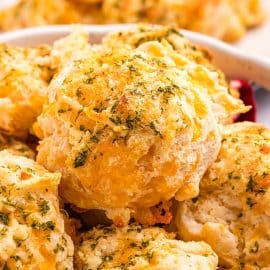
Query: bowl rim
235, 63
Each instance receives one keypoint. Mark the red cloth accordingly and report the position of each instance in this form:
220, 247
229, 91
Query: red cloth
247, 95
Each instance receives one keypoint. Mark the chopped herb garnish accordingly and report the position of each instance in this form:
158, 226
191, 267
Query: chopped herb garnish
132, 122
3, 231
145, 244
15, 258
250, 202
242, 265
89, 80
174, 31
133, 245
4, 218
140, 41
116, 120
23, 149
260, 191
255, 248
58, 248
230, 175
63, 110
43, 207
240, 215
78, 114
18, 241
132, 68
82, 128
80, 159
93, 246
156, 131
114, 106
251, 184
49, 225
99, 109
30, 170
167, 89
94, 139
149, 255
35, 224
78, 93
110, 230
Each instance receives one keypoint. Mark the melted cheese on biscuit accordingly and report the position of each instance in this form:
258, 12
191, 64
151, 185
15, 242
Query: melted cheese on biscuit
23, 81
129, 126
136, 248
231, 213
32, 235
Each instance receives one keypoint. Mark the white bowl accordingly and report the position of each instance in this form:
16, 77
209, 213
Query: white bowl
7, 3
234, 63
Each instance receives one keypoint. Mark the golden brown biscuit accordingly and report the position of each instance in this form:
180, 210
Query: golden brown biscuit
28, 13
250, 11
231, 212
24, 78
89, 2
32, 234
130, 127
69, 47
224, 103
136, 248
26, 73
232, 17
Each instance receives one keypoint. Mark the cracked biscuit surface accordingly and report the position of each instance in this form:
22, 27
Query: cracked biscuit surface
231, 213
32, 234
130, 126
135, 248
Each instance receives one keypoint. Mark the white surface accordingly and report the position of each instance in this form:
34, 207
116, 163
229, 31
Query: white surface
7, 3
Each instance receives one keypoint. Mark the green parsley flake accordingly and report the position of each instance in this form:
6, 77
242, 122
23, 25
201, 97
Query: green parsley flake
251, 184
4, 218
255, 248
43, 207
58, 248
156, 131
250, 202
80, 159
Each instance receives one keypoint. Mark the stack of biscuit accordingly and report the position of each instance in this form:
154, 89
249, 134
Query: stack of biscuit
138, 164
